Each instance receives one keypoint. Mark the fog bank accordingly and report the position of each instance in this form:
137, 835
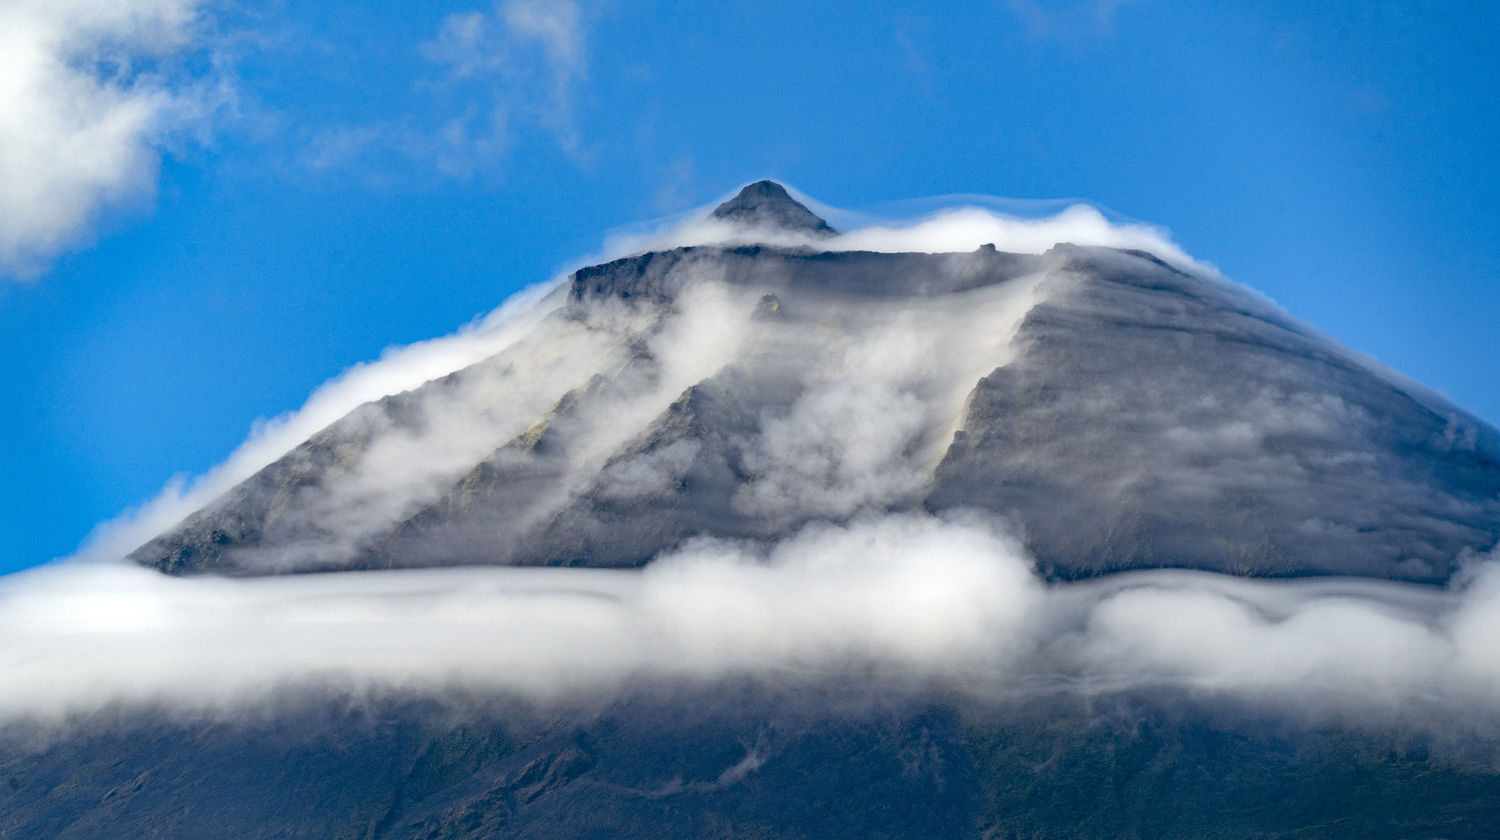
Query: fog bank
949, 603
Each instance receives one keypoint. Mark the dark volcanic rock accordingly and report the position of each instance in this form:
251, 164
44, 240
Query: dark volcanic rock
767, 204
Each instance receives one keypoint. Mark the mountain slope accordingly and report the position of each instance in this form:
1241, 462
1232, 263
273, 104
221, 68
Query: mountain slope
1123, 412
737, 763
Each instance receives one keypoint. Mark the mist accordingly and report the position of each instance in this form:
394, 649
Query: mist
942, 603
398, 369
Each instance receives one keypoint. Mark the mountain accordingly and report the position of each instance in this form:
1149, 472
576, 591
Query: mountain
696, 414
1123, 411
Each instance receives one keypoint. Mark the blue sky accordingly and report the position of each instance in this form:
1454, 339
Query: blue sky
266, 195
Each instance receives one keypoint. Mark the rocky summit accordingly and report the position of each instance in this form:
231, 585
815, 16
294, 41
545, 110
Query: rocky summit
1123, 412
766, 204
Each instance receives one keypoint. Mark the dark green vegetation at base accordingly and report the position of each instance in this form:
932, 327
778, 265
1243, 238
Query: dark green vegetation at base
742, 764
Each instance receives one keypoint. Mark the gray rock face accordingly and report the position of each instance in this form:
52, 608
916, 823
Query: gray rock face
1154, 420
1122, 412
767, 204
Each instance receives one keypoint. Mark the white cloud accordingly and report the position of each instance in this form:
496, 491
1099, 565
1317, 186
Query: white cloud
905, 601
902, 592
553, 24
1065, 20
530, 54
953, 229
882, 396
511, 70
88, 99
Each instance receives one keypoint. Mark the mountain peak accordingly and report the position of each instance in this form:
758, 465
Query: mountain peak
767, 204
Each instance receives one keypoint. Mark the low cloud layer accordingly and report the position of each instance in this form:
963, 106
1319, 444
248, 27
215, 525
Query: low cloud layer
910, 600
89, 96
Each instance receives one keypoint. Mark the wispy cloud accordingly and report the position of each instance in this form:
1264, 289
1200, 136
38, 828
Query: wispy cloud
398, 369
91, 94
1051, 20
513, 69
675, 186
526, 58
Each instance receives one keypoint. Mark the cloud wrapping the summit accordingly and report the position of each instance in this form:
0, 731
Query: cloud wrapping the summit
959, 228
